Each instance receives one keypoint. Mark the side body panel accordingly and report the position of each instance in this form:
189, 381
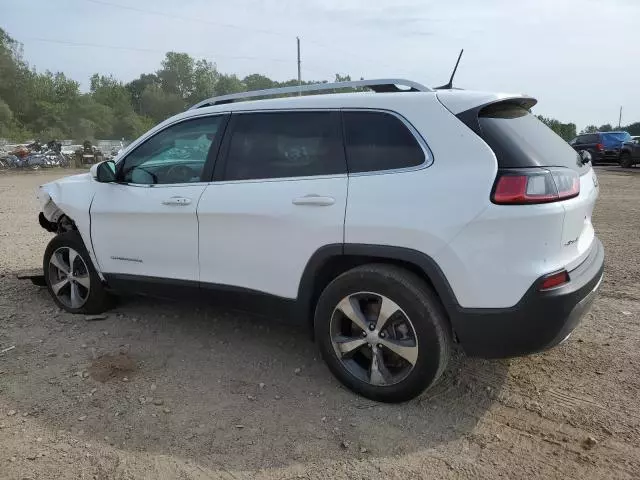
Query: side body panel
138, 230
424, 209
253, 235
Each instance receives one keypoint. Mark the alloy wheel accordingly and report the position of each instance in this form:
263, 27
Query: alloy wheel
374, 338
69, 277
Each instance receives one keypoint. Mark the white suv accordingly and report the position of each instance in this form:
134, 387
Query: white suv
393, 223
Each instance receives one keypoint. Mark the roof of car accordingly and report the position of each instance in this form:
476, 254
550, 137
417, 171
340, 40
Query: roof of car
454, 100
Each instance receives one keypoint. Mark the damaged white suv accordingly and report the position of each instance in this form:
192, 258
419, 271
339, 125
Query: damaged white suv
393, 223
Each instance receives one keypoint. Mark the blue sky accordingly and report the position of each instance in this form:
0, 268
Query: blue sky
578, 57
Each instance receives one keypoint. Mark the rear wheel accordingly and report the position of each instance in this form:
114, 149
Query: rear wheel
625, 160
71, 278
383, 332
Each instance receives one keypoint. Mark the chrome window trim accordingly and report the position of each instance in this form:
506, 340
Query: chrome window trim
428, 155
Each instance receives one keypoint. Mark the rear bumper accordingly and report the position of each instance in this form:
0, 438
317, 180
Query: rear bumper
539, 321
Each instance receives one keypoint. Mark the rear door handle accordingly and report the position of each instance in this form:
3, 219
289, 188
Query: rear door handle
179, 201
317, 200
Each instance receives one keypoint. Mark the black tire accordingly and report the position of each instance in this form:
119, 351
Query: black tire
98, 299
625, 160
421, 305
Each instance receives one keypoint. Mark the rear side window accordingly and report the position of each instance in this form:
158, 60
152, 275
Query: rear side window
590, 138
378, 141
284, 144
520, 140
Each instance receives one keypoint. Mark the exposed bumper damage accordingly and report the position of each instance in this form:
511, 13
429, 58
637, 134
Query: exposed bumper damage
68, 198
65, 205
50, 211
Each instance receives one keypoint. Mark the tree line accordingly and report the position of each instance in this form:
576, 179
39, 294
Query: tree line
50, 105
568, 130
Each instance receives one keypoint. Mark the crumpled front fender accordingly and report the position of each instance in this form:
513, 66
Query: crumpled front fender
70, 196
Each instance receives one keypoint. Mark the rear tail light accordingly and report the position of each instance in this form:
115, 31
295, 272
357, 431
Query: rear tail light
599, 147
554, 280
535, 185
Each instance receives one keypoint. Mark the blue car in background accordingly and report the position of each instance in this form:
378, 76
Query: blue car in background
603, 146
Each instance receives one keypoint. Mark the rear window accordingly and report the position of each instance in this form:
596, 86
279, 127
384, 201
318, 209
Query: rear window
615, 139
520, 140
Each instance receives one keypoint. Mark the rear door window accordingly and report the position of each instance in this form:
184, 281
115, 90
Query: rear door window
284, 144
587, 139
520, 140
377, 141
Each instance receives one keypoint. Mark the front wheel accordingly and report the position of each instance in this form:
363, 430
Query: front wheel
383, 332
71, 278
625, 160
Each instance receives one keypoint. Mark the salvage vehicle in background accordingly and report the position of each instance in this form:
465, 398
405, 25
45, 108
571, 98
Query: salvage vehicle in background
88, 154
454, 227
603, 146
630, 153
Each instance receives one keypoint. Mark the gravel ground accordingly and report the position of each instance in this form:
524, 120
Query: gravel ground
168, 390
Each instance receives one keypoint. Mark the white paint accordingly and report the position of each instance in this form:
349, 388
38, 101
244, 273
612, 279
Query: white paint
260, 234
157, 240
253, 235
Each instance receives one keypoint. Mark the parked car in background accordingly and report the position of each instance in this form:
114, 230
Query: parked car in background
630, 152
603, 146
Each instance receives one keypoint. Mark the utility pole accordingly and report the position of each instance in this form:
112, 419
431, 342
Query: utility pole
620, 118
299, 74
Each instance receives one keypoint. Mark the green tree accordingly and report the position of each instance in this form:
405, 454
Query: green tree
158, 104
256, 81
205, 78
227, 84
6, 115
176, 74
110, 92
137, 87
589, 129
90, 119
633, 129
14, 74
605, 128
566, 130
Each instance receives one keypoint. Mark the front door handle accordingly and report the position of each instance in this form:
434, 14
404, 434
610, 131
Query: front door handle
316, 200
179, 201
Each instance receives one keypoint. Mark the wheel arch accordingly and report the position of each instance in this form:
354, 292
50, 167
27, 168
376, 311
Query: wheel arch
332, 260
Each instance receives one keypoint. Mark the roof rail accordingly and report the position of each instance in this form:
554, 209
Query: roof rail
377, 85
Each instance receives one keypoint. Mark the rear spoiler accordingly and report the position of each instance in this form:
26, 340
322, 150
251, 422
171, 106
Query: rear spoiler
470, 117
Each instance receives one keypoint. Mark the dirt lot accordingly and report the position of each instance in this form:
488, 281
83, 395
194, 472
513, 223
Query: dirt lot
196, 392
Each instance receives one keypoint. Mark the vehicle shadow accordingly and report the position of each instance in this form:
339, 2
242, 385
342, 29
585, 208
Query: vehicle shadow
221, 387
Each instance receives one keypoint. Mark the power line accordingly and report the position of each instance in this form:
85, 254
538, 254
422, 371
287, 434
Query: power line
188, 19
229, 25
149, 50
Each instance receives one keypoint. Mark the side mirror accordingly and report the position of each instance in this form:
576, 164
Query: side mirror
585, 156
104, 172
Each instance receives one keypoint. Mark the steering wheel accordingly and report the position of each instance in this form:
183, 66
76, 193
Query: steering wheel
180, 173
